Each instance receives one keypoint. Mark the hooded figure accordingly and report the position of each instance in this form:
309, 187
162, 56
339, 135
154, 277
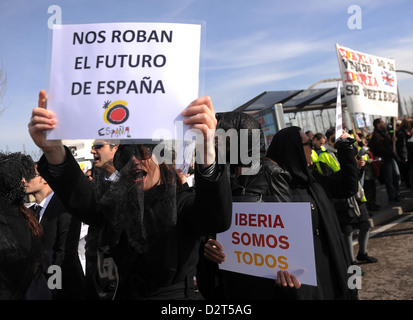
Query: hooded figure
291, 149
269, 183
267, 179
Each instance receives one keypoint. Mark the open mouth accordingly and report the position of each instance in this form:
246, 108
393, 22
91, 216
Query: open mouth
139, 175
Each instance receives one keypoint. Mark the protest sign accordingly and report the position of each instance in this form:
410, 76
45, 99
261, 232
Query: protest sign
266, 237
370, 82
123, 80
339, 114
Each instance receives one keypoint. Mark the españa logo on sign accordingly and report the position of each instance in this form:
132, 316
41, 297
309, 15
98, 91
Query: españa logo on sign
115, 112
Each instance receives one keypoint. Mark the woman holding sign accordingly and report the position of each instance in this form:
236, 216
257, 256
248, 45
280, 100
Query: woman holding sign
150, 226
291, 149
269, 183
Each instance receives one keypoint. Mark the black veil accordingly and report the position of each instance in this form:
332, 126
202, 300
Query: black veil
286, 149
141, 215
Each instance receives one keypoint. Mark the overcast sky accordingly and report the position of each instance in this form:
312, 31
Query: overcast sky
250, 46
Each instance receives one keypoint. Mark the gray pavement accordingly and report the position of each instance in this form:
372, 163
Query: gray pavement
391, 278
390, 211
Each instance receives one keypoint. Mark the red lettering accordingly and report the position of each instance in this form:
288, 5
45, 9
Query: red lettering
355, 56
246, 242
260, 240
235, 238
278, 222
252, 220
258, 220
274, 241
243, 219
284, 243
262, 220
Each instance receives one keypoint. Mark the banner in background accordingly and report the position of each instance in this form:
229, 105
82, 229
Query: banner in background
369, 82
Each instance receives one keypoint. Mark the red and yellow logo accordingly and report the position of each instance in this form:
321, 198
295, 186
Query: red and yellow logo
115, 112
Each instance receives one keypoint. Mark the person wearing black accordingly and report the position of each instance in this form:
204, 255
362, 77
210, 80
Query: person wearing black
150, 226
381, 145
291, 149
20, 247
265, 182
60, 239
403, 150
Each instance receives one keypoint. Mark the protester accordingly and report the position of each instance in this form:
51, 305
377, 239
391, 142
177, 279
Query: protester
20, 232
60, 239
291, 149
352, 211
152, 228
309, 134
103, 152
319, 140
89, 174
403, 134
381, 145
371, 174
104, 173
268, 183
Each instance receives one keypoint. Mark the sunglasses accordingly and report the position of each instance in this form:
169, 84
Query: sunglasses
100, 145
127, 151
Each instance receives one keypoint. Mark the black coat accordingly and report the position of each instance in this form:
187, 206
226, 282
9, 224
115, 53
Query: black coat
308, 185
381, 145
20, 255
165, 268
60, 241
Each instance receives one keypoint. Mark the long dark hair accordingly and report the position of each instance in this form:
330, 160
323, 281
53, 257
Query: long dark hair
13, 168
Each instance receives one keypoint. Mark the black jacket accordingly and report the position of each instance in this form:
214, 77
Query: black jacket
381, 145
166, 267
20, 255
308, 185
60, 241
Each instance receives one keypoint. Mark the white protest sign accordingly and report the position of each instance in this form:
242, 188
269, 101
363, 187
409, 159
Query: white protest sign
339, 114
123, 80
267, 237
370, 82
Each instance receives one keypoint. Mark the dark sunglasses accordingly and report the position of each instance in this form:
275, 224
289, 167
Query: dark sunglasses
100, 145
127, 151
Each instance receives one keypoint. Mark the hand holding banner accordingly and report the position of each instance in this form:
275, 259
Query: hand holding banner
266, 237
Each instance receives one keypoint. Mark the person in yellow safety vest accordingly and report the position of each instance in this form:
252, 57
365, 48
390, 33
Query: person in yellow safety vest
318, 141
352, 212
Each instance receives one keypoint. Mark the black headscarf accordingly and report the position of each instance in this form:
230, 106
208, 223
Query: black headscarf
238, 121
287, 150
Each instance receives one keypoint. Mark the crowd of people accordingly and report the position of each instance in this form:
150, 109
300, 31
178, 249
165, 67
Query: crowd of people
134, 227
